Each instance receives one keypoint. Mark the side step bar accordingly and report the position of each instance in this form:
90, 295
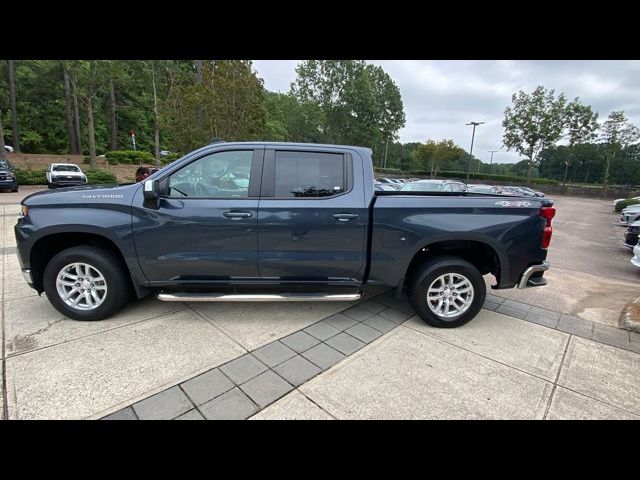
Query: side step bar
257, 297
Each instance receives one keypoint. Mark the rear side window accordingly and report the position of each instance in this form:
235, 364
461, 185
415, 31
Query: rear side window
309, 174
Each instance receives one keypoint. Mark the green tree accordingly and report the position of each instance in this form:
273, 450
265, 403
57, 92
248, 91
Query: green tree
438, 156
582, 124
534, 122
92, 75
291, 120
360, 103
617, 134
230, 101
12, 102
3, 155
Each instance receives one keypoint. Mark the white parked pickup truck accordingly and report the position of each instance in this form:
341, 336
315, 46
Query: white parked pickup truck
65, 175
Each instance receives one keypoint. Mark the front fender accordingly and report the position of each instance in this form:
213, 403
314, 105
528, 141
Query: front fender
109, 221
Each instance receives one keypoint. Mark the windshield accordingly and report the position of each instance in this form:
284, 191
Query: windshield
65, 168
422, 187
4, 165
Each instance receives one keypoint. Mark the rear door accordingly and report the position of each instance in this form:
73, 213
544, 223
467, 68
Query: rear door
312, 217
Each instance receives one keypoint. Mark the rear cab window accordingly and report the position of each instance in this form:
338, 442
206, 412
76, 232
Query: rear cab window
309, 174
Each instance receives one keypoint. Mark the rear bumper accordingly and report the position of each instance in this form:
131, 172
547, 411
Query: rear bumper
532, 276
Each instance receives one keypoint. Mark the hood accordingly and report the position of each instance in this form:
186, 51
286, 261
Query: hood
86, 194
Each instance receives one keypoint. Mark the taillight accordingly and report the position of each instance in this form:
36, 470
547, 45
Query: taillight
547, 213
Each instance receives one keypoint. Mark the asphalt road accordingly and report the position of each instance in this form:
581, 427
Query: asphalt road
587, 238
11, 198
590, 275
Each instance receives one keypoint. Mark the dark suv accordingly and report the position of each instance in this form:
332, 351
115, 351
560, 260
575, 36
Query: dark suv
8, 177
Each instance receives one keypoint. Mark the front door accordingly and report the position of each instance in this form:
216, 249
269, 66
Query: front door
205, 229
312, 218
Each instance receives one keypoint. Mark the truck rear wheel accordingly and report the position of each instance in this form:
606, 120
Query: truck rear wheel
447, 291
86, 283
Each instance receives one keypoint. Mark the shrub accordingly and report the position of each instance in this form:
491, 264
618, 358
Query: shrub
95, 176
129, 157
171, 157
625, 203
31, 177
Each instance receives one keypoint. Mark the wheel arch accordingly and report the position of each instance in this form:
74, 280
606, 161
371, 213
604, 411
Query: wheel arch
52, 243
482, 253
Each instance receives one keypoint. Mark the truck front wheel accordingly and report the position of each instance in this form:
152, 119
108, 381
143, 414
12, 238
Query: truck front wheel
86, 283
447, 291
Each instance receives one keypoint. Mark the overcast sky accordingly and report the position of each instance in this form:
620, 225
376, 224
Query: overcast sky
440, 97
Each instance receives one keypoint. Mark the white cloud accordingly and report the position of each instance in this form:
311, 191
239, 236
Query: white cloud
440, 97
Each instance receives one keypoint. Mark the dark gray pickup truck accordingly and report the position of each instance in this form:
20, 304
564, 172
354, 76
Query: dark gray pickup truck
277, 222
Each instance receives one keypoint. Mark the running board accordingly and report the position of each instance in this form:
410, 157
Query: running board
258, 297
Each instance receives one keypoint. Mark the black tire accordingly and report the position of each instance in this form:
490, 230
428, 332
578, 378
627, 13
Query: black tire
108, 264
428, 273
15, 190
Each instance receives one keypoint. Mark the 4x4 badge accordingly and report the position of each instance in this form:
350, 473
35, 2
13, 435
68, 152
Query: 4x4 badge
507, 203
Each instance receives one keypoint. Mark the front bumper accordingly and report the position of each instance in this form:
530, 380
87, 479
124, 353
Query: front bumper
8, 184
627, 219
533, 276
66, 182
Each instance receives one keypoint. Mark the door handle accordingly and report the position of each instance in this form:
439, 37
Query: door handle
238, 214
345, 217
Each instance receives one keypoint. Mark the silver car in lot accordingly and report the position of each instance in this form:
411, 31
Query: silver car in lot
434, 186
630, 214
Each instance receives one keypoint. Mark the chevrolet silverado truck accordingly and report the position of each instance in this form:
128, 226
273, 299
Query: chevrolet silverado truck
277, 222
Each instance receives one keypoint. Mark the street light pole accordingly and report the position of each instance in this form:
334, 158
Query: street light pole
491, 161
475, 124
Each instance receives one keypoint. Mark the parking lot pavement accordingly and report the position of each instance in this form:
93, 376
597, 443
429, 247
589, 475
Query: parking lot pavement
14, 198
590, 275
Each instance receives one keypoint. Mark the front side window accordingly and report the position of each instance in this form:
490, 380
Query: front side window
309, 174
221, 174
